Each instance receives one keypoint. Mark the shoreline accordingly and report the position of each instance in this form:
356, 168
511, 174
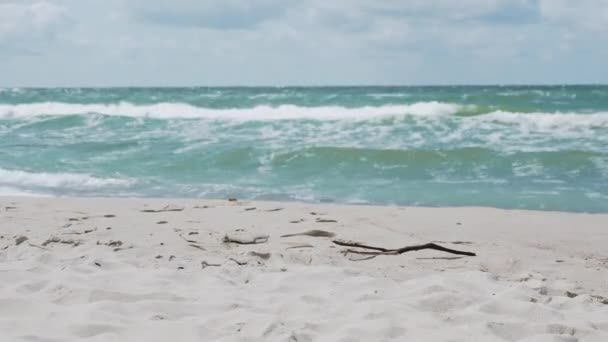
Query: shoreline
295, 202
124, 268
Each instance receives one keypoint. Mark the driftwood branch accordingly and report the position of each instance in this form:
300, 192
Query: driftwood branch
397, 251
359, 245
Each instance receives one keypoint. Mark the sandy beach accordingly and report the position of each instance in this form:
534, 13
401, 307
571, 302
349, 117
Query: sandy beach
160, 269
303, 171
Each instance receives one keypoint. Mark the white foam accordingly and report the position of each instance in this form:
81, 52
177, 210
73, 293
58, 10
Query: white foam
389, 95
549, 121
10, 192
22, 179
168, 110
533, 169
186, 111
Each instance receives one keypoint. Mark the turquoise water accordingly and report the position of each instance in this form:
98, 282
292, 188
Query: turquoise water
532, 147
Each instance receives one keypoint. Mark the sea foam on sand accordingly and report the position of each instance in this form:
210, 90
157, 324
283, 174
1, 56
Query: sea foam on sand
158, 270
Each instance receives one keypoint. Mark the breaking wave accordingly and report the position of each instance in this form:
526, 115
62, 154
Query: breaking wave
259, 113
543, 120
17, 179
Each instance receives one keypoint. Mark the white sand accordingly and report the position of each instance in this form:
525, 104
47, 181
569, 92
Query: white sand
514, 290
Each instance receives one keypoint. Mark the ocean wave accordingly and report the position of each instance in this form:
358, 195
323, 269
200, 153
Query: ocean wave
170, 110
18, 179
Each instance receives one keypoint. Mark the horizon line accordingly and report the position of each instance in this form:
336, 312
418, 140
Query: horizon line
310, 86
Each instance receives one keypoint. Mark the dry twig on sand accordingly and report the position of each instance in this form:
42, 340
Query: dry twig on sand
386, 251
240, 263
206, 264
86, 231
188, 240
300, 245
314, 233
263, 256
197, 246
246, 241
55, 239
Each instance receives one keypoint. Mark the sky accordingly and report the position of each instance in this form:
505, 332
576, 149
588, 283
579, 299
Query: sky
302, 42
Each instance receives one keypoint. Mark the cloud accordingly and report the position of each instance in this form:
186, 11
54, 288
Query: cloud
214, 14
303, 41
453, 11
26, 27
591, 15
407, 27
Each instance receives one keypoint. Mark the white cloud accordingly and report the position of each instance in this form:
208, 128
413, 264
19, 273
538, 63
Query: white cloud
586, 14
303, 41
26, 25
215, 14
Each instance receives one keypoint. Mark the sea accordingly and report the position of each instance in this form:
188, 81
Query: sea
514, 147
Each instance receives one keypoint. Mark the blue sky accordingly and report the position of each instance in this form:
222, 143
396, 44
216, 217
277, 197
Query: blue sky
302, 42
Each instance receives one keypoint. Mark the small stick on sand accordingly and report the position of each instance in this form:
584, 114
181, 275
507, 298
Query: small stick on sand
397, 251
250, 241
54, 239
188, 240
193, 243
263, 256
166, 208
314, 233
197, 246
240, 263
206, 264
301, 245
37, 246
87, 231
